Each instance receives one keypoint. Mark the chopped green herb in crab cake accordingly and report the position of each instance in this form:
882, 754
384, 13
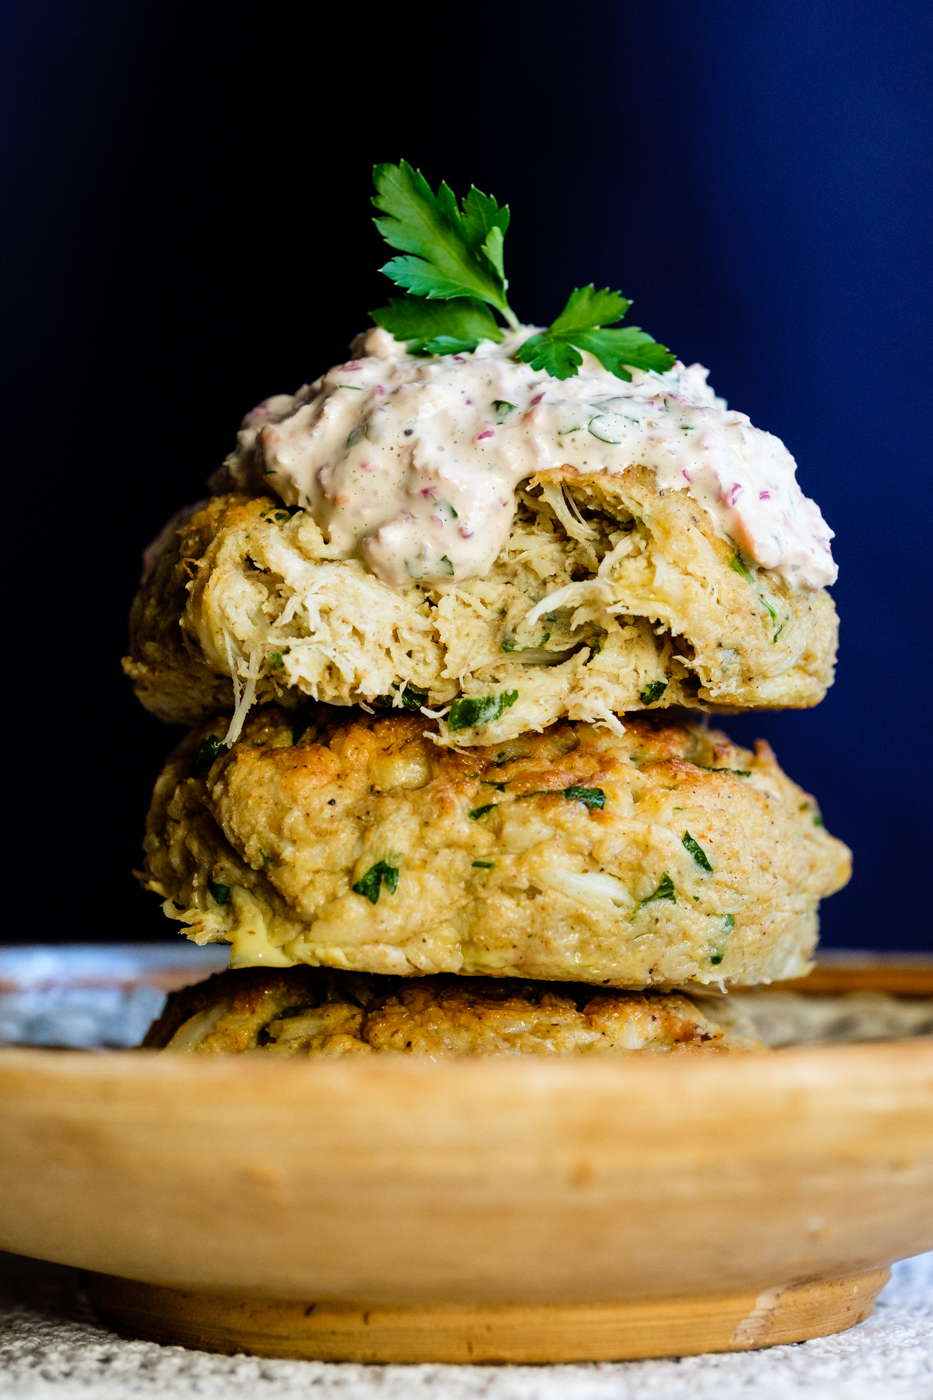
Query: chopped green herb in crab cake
566, 515
574, 854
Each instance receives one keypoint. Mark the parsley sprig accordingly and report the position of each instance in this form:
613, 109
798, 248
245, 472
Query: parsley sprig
584, 324
454, 277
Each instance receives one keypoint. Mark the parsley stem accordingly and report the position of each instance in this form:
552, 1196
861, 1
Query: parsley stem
510, 316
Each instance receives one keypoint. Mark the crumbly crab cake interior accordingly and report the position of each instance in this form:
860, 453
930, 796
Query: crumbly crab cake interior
610, 595
662, 857
301, 1011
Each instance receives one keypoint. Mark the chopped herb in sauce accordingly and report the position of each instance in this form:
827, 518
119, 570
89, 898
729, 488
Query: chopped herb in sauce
377, 875
484, 864
697, 851
478, 812
276, 659
219, 893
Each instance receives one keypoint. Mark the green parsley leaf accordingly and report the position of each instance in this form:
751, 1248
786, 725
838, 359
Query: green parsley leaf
468, 712
664, 891
626, 345
586, 308
484, 864
412, 697
728, 925
697, 851
276, 659
208, 749
454, 254
738, 566
478, 812
219, 893
652, 692
509, 643
592, 797
438, 327
457, 250
379, 874
554, 354
582, 325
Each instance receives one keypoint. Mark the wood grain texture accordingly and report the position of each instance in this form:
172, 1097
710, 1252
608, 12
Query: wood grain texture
898, 975
472, 1182
491, 1333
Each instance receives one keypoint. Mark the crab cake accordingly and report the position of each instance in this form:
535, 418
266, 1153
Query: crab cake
608, 596
469, 535
665, 856
305, 1012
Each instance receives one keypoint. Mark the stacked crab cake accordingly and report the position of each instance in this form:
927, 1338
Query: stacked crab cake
445, 636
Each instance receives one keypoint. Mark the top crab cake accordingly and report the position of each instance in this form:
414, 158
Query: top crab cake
471, 536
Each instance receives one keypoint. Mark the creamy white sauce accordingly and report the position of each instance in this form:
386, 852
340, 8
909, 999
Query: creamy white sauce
412, 464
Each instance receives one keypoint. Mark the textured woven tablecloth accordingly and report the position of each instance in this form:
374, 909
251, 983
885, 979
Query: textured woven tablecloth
52, 1346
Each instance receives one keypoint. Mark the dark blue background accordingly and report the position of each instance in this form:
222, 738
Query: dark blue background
190, 232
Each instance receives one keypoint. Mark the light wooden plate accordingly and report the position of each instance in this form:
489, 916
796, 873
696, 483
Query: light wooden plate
495, 1210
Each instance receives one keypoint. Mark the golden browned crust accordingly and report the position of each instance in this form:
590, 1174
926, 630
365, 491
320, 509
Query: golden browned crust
302, 1011
610, 596
167, 668
665, 857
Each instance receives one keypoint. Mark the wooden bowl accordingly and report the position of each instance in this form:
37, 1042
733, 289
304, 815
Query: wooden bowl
494, 1210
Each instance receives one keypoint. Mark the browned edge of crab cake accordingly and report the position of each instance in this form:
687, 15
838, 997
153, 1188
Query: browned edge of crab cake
304, 1011
666, 856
